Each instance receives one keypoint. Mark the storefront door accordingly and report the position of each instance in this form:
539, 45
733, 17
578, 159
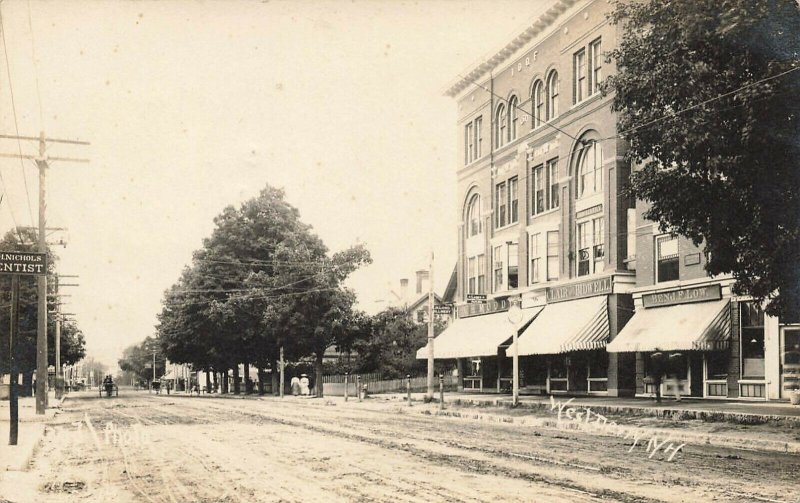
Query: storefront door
790, 360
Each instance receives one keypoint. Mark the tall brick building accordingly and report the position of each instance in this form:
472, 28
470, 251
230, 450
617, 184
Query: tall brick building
544, 220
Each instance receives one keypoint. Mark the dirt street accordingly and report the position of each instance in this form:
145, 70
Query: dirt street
147, 448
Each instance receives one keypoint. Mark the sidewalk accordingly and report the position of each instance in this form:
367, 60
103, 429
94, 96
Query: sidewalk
31, 430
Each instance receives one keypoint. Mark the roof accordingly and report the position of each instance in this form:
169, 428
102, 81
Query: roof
533, 29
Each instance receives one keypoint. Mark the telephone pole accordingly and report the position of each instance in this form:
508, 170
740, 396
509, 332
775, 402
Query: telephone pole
59, 319
42, 163
430, 329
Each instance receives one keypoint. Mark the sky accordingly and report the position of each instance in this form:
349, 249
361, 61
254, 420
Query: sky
191, 106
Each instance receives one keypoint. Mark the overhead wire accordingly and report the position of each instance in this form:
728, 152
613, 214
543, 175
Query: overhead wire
14, 110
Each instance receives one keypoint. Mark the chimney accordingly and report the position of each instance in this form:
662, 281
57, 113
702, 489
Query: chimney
422, 278
404, 290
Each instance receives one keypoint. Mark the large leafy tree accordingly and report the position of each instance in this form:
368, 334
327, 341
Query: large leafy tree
706, 92
73, 345
138, 359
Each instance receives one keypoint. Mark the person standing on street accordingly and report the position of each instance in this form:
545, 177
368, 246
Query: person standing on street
304, 390
657, 371
295, 384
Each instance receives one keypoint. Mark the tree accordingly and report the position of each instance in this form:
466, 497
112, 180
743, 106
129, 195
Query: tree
138, 359
706, 92
392, 344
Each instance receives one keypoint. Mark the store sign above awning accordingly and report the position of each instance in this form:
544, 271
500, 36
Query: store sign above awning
600, 286
702, 294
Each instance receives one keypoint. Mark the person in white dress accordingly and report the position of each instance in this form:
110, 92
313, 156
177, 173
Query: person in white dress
304, 385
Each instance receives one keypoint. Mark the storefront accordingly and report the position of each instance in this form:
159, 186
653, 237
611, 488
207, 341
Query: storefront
705, 343
477, 341
563, 349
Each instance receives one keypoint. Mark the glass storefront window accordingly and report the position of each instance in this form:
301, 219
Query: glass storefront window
717, 365
598, 364
558, 367
751, 319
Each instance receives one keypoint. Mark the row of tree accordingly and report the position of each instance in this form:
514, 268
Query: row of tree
262, 283
73, 344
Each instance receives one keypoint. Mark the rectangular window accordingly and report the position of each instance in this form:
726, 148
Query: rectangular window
498, 268
478, 137
552, 256
513, 200
481, 273
595, 67
471, 275
538, 189
667, 258
584, 248
500, 202
717, 365
534, 254
578, 76
469, 138
513, 265
751, 319
598, 243
552, 176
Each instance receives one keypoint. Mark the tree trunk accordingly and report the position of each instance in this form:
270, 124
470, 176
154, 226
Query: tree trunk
224, 378
237, 389
208, 381
274, 377
262, 376
318, 374
248, 388
27, 384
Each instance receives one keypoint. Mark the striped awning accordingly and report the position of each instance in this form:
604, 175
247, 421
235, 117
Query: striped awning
476, 335
566, 326
702, 326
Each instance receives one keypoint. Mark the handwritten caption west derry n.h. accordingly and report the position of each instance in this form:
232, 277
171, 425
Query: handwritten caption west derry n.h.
585, 418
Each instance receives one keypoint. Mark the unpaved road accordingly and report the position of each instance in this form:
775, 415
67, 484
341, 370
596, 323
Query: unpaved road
145, 448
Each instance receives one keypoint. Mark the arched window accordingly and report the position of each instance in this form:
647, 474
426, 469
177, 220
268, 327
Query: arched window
552, 95
500, 126
590, 168
537, 98
474, 223
512, 118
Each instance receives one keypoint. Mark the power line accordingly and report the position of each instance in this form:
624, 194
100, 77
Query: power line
14, 110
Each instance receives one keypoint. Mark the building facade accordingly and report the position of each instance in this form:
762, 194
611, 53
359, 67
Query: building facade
544, 221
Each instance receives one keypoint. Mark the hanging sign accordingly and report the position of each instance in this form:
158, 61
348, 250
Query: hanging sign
26, 263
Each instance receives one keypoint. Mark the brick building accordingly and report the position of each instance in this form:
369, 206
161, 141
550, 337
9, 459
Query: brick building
544, 221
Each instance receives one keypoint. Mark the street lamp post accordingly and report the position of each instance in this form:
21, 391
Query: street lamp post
514, 317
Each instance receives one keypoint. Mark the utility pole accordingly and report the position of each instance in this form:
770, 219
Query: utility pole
59, 319
430, 329
282, 373
42, 162
13, 427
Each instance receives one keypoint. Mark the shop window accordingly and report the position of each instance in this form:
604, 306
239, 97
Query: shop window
475, 367
751, 321
598, 365
513, 265
558, 367
552, 256
667, 258
717, 365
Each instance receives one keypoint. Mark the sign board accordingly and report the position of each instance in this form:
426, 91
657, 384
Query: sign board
442, 309
601, 286
476, 297
25, 263
478, 308
709, 292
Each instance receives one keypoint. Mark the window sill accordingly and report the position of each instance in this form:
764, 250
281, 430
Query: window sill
585, 101
546, 212
507, 226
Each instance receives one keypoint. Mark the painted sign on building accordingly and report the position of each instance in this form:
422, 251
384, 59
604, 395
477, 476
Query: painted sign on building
600, 286
702, 294
491, 306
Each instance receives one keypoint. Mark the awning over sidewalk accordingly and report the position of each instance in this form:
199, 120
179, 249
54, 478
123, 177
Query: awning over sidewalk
702, 326
476, 335
566, 326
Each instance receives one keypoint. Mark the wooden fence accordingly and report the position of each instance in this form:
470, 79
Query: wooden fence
336, 387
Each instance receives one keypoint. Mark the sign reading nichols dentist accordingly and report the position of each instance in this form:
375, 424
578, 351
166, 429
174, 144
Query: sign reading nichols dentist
600, 286
26, 263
